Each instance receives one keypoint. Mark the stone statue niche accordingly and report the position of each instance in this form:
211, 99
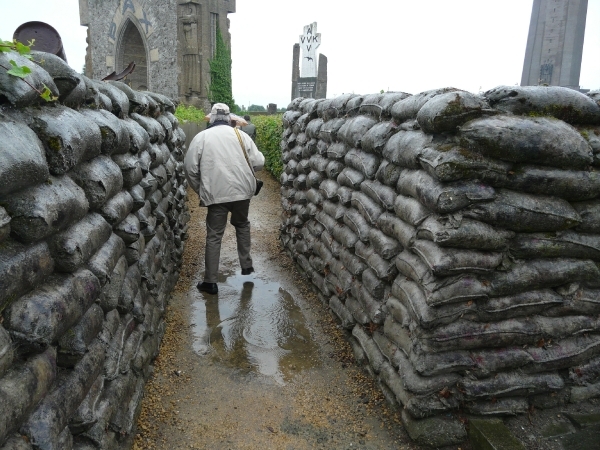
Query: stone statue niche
189, 20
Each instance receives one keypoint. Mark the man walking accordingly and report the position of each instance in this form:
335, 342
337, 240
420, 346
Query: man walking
250, 129
218, 169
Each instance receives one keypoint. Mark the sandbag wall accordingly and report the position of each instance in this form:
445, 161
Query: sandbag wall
457, 236
92, 227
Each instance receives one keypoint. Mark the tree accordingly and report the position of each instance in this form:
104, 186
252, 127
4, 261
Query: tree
219, 90
256, 108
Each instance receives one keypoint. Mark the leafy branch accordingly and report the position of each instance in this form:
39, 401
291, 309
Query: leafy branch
23, 71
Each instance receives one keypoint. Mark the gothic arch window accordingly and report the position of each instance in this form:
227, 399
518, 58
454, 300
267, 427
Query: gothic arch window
132, 47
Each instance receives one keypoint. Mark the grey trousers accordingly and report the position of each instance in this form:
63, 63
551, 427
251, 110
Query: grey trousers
216, 220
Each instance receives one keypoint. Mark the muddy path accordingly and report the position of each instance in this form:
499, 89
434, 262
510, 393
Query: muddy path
262, 364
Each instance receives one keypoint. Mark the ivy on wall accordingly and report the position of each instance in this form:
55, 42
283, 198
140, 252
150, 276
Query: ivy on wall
219, 90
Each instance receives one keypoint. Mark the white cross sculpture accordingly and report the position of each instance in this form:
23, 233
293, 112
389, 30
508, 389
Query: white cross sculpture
309, 42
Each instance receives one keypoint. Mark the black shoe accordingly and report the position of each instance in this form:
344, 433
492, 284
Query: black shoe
210, 288
247, 271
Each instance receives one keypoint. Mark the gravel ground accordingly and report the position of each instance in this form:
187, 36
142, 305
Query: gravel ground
216, 400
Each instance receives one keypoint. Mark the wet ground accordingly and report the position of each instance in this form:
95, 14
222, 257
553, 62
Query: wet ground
262, 364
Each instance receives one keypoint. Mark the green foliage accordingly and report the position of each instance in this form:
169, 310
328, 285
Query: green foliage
256, 108
189, 114
268, 136
23, 71
219, 90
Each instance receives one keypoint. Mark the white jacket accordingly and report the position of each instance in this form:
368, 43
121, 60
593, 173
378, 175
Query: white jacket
216, 168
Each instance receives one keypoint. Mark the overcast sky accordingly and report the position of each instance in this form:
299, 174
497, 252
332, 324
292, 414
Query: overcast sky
399, 45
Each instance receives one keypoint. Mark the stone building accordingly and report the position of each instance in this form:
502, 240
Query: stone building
555, 43
171, 42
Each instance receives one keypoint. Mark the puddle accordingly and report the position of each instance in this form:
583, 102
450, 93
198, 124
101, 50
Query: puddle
255, 326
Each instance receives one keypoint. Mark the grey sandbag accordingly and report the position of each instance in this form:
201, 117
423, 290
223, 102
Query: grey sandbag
370, 105
109, 298
405, 147
506, 384
314, 196
23, 387
337, 106
130, 288
331, 244
388, 100
104, 261
350, 178
370, 281
384, 268
501, 407
155, 131
300, 182
353, 105
115, 139
329, 130
22, 268
313, 128
590, 216
74, 344
45, 425
73, 247
344, 235
85, 415
398, 311
120, 101
100, 178
568, 184
431, 364
138, 102
144, 214
377, 136
333, 169
345, 316
149, 184
395, 227
385, 196
139, 140
413, 299
345, 195
22, 157
68, 137
357, 223
388, 173
453, 163
366, 206
357, 310
445, 112
337, 150
4, 225
351, 262
409, 107
563, 353
318, 163
372, 306
314, 179
117, 208
443, 198
563, 103
542, 273
300, 197
562, 244
410, 210
7, 351
334, 210
465, 335
289, 118
131, 169
45, 209
490, 362
316, 262
459, 232
385, 246
62, 301
354, 129
521, 304
329, 189
525, 212
160, 173
543, 141
128, 229
366, 163
16, 91
451, 261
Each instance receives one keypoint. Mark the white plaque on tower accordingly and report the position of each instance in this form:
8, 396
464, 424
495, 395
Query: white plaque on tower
309, 42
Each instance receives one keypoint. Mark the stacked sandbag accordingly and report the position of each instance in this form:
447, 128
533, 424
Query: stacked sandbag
93, 221
457, 237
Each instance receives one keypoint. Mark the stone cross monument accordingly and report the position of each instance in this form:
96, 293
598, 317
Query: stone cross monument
309, 79
310, 40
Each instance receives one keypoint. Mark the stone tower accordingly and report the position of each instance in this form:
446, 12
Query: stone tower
555, 43
171, 42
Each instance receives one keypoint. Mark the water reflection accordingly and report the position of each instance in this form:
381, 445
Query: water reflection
253, 326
